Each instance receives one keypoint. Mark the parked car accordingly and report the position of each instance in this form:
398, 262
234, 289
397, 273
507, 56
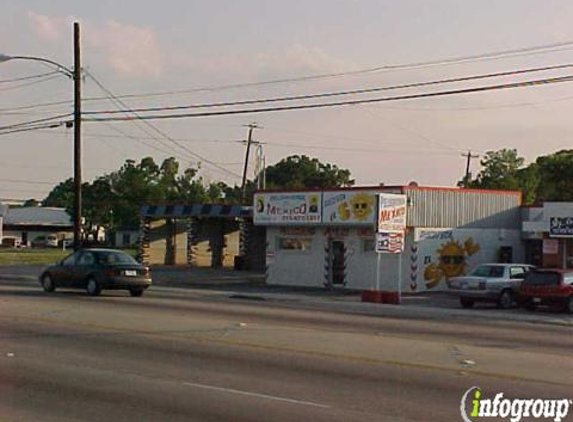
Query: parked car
553, 287
10, 242
95, 270
50, 241
498, 283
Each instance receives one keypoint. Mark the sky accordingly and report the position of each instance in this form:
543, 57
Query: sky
206, 48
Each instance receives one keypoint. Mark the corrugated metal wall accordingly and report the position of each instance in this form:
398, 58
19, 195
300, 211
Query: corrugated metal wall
463, 209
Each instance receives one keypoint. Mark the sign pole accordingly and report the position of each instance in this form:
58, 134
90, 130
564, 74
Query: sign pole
378, 272
400, 278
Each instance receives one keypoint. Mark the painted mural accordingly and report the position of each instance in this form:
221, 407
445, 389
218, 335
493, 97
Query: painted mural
349, 207
436, 255
452, 261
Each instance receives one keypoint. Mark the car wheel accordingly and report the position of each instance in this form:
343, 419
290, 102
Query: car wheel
467, 303
47, 283
136, 292
505, 300
92, 287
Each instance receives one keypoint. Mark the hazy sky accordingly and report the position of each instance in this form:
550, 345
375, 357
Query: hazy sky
140, 47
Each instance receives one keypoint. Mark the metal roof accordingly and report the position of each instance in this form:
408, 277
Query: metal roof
38, 216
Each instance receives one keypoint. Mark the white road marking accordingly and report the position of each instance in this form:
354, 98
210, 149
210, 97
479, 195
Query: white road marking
248, 393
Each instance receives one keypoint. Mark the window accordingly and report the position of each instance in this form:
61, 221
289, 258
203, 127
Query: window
516, 272
294, 244
87, 258
113, 258
493, 271
543, 279
126, 239
70, 259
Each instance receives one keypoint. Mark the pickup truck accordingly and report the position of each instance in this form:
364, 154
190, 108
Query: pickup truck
498, 283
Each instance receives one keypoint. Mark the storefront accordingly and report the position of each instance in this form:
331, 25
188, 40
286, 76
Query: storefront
327, 239
548, 234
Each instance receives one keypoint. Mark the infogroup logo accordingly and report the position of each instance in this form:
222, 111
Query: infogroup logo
512, 409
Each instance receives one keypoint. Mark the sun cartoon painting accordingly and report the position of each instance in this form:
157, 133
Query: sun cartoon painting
452, 261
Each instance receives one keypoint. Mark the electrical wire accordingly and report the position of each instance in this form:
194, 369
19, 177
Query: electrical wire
30, 128
339, 93
31, 122
160, 132
541, 49
45, 79
536, 82
26, 78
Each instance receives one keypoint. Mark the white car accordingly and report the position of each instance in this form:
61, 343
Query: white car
498, 283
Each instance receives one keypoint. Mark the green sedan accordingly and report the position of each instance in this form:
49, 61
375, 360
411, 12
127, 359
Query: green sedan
95, 270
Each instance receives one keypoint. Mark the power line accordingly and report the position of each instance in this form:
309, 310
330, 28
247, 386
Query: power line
25, 78
45, 79
160, 132
33, 182
31, 122
541, 49
486, 88
31, 128
339, 93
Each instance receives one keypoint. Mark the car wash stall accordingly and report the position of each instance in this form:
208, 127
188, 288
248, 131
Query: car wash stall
326, 238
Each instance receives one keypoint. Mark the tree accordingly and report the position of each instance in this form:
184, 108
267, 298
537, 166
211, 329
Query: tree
114, 199
555, 173
500, 170
300, 171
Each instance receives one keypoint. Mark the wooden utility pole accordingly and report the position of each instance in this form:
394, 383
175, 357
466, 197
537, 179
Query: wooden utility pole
77, 139
469, 157
251, 127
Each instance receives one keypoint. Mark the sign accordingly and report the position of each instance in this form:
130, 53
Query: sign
349, 207
391, 212
297, 208
550, 246
561, 226
390, 242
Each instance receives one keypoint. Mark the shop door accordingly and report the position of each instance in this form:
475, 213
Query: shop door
337, 264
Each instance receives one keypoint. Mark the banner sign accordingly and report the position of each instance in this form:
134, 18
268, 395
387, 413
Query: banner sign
561, 226
390, 242
349, 207
288, 208
391, 212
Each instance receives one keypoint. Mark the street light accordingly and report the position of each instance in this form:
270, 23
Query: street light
74, 74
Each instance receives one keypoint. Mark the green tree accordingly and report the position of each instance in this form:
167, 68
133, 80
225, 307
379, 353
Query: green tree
555, 173
500, 170
300, 171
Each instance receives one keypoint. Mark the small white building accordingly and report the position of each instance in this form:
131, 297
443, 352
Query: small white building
25, 224
548, 234
325, 238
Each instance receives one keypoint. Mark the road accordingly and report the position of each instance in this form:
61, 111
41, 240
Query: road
176, 355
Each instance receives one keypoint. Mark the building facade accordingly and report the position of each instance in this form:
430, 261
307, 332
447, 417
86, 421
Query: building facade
548, 234
326, 238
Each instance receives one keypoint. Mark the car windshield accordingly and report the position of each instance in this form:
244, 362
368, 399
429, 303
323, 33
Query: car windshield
542, 278
494, 271
115, 258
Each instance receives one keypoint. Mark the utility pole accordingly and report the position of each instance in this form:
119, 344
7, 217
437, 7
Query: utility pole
251, 127
77, 139
469, 157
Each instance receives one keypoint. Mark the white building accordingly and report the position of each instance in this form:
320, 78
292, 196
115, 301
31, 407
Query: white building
326, 237
27, 223
548, 234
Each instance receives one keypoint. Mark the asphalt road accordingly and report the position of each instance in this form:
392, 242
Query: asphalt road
173, 355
